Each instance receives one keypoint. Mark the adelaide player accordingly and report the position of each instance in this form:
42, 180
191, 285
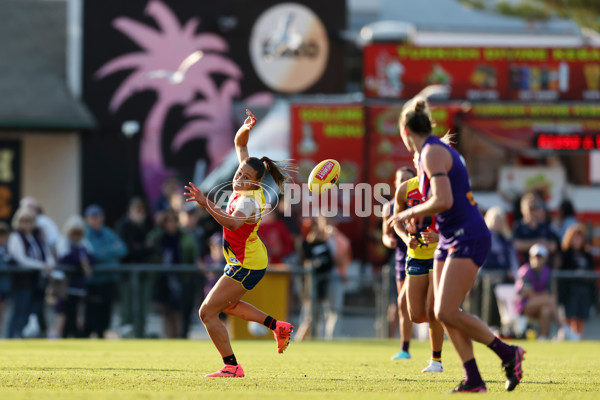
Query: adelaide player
244, 252
421, 240
463, 245
392, 241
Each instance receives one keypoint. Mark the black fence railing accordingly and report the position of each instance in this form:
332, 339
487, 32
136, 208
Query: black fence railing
373, 292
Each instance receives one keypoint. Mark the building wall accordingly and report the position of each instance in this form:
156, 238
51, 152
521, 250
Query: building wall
50, 172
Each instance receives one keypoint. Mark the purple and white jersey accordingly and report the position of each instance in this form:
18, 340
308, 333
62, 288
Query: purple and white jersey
463, 220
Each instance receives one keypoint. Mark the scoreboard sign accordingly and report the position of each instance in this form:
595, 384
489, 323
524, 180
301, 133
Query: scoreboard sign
572, 141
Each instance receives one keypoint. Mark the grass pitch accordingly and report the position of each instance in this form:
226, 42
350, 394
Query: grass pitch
357, 369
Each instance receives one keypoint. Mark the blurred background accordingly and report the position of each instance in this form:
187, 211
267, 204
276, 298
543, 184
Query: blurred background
109, 107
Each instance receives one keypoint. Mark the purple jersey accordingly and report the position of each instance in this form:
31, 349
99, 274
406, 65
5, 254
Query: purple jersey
462, 228
400, 245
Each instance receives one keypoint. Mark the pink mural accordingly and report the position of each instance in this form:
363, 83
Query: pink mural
176, 63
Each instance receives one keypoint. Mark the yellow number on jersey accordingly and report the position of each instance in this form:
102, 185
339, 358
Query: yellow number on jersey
471, 199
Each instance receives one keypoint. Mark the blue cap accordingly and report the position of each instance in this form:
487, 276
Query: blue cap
94, 209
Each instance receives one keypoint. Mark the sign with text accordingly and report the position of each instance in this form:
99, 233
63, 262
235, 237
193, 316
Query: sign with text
10, 177
570, 141
322, 131
472, 73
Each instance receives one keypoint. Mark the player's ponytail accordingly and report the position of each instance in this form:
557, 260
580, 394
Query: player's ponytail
415, 114
279, 170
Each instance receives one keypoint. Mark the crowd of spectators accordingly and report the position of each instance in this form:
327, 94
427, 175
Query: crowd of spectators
526, 256
75, 275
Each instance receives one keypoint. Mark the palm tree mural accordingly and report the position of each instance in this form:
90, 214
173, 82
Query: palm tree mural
177, 64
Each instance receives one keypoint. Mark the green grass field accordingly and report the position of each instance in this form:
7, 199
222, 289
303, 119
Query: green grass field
357, 369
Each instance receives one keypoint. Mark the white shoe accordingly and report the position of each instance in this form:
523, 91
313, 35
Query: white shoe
434, 366
568, 334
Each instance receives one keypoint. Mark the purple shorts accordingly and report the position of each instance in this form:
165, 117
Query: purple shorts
475, 248
400, 274
400, 266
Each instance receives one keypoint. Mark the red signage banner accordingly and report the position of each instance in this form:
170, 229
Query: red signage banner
322, 131
472, 73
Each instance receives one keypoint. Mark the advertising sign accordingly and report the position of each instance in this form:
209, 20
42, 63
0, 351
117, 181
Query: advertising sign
10, 177
323, 131
472, 73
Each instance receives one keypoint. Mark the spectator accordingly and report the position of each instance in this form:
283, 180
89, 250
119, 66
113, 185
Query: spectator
534, 299
276, 237
502, 256
318, 257
501, 260
75, 251
133, 229
578, 294
34, 262
533, 228
566, 217
213, 262
108, 250
201, 225
342, 256
47, 226
174, 290
170, 186
4, 265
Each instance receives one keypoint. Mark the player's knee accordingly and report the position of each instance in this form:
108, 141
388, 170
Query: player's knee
444, 315
204, 313
417, 316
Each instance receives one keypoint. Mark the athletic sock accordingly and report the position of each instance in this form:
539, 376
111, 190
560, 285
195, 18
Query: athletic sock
405, 346
503, 350
270, 323
436, 355
230, 360
472, 376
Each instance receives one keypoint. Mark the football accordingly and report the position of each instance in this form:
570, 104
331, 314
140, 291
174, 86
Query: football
324, 175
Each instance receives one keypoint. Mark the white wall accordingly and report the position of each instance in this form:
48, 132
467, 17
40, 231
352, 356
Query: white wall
51, 170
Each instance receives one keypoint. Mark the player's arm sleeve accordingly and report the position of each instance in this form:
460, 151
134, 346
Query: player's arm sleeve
248, 206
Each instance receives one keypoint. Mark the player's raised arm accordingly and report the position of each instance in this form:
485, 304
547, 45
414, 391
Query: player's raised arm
231, 222
241, 137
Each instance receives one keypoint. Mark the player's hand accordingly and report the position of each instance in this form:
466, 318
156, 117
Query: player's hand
411, 226
250, 120
194, 194
413, 242
399, 218
429, 236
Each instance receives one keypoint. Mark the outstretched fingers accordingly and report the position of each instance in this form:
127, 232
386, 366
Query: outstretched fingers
192, 192
251, 120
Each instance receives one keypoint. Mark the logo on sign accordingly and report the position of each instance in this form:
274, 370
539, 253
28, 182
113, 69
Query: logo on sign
325, 170
289, 47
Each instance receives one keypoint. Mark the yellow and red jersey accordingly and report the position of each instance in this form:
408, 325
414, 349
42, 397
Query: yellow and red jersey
242, 246
413, 197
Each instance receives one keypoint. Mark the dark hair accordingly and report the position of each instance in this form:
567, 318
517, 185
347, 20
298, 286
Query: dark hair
279, 170
566, 208
407, 169
415, 115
